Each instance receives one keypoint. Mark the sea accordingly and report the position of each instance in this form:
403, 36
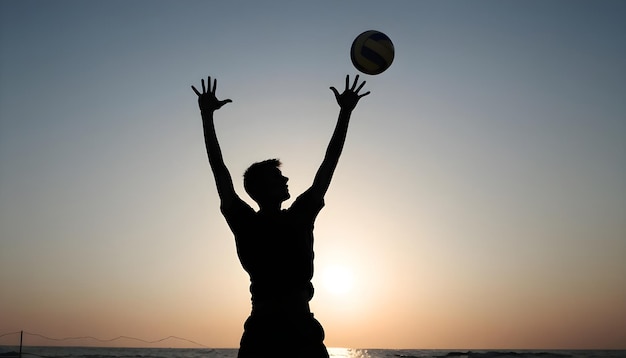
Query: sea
93, 352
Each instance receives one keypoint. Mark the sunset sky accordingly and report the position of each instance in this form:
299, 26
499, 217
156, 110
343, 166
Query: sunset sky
480, 201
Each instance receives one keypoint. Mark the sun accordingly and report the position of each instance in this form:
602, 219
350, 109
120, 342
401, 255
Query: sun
337, 279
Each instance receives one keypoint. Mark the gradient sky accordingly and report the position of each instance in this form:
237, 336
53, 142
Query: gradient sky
480, 201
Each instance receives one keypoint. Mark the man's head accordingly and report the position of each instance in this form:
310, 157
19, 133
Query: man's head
265, 183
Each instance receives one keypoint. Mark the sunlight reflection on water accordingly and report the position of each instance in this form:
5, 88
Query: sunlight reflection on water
348, 353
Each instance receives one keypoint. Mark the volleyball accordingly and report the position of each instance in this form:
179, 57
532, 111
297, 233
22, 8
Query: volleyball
372, 52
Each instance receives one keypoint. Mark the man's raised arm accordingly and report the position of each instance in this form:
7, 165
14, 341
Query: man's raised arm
208, 104
347, 102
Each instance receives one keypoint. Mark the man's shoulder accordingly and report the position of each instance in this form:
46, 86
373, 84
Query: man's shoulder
235, 208
309, 197
307, 203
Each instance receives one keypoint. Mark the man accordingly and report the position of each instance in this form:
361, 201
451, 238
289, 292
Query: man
275, 246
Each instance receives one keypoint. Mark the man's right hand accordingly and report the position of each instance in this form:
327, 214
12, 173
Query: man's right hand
207, 101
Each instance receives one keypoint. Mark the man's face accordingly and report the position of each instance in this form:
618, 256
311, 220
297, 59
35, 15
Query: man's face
277, 185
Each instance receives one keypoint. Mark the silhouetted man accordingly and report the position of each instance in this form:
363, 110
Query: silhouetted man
275, 246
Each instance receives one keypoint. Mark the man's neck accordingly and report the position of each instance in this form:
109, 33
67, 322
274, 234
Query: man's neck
270, 209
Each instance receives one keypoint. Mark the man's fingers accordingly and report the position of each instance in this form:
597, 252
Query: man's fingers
214, 85
364, 94
203, 86
356, 80
347, 82
195, 90
361, 86
335, 91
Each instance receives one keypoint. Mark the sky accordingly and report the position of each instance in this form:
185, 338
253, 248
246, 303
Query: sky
480, 201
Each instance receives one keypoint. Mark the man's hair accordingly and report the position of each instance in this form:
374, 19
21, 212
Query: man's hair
254, 177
